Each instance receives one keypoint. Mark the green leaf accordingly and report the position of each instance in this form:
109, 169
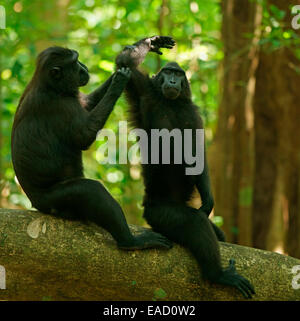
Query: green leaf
159, 294
218, 220
245, 196
279, 14
106, 65
234, 230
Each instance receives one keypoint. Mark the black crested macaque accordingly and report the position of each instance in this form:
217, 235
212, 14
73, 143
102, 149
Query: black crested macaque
53, 124
164, 102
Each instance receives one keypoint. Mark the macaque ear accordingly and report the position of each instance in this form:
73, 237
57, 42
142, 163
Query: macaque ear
55, 73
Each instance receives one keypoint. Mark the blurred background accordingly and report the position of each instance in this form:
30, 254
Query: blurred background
242, 60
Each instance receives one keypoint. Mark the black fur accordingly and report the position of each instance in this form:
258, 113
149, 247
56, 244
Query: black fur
52, 125
167, 187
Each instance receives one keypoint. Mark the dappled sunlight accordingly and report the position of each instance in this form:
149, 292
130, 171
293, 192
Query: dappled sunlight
279, 249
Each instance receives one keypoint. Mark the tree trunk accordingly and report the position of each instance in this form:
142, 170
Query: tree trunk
46, 258
234, 137
277, 146
163, 11
257, 172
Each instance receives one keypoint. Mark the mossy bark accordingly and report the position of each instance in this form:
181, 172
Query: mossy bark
46, 258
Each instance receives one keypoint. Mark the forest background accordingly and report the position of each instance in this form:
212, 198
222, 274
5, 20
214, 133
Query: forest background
242, 58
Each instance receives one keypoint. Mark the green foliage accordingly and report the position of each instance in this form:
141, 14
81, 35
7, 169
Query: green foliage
3, 237
277, 31
99, 30
218, 220
159, 294
245, 196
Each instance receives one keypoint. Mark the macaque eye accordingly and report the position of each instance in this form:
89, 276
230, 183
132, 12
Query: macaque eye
178, 73
168, 72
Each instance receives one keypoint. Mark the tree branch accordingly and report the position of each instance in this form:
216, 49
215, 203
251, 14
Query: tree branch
55, 259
